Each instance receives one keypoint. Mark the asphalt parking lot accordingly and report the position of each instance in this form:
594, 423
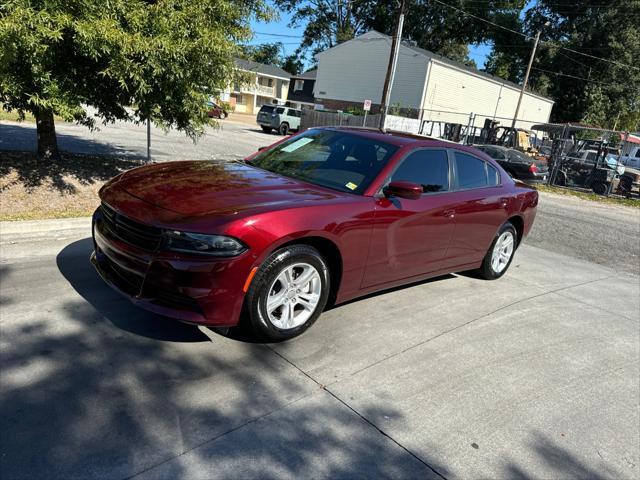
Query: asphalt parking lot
532, 376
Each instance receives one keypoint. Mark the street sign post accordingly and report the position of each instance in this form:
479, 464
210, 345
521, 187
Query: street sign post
366, 108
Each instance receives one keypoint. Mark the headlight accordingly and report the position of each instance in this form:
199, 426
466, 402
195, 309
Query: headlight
202, 244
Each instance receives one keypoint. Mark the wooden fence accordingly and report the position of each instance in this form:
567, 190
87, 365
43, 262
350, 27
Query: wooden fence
314, 118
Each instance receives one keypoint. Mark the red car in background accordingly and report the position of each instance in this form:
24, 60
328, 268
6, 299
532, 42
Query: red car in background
216, 111
321, 217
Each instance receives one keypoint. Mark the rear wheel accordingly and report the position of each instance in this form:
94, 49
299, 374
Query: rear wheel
266, 129
599, 187
284, 128
288, 293
500, 254
223, 115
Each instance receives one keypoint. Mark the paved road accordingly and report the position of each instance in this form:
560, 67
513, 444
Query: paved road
605, 234
230, 140
532, 376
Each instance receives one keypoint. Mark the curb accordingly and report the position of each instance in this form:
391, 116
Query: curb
38, 227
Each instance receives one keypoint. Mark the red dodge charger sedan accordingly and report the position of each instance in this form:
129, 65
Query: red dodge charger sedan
321, 217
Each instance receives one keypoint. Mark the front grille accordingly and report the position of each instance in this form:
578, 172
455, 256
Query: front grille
130, 231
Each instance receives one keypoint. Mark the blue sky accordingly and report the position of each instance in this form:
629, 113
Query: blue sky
266, 33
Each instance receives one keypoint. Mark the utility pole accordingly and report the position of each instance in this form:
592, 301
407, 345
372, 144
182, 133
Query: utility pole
148, 140
391, 68
524, 86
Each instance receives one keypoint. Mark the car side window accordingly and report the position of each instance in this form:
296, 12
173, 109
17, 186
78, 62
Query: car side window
279, 110
429, 168
472, 172
493, 177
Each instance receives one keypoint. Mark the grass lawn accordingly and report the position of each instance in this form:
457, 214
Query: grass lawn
630, 202
32, 189
13, 116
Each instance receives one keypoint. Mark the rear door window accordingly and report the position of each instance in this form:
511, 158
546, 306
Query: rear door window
280, 110
266, 108
429, 168
471, 171
493, 177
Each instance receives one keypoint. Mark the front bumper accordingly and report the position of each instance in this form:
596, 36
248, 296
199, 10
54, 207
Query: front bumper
189, 288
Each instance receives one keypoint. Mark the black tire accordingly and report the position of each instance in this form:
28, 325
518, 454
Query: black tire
599, 187
284, 128
263, 281
486, 270
266, 129
223, 115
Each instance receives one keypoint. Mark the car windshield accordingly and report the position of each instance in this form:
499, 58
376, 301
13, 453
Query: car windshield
335, 159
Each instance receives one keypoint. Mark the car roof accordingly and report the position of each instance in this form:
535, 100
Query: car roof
498, 147
393, 137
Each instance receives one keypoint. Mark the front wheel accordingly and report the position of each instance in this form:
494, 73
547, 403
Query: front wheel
223, 115
500, 254
288, 293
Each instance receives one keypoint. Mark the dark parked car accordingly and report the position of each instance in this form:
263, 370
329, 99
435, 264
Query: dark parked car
216, 111
517, 164
320, 217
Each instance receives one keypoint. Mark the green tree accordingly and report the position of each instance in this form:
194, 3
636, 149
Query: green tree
272, 54
163, 56
602, 91
267, 53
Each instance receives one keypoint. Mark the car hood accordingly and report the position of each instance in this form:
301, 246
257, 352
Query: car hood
196, 188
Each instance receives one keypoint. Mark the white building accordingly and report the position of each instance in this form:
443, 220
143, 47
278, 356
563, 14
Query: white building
439, 89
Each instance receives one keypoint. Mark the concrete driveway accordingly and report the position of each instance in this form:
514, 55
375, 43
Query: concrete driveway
531, 376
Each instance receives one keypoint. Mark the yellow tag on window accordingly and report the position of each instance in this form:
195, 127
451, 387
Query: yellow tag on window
351, 186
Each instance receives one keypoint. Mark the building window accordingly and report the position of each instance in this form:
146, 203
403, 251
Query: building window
298, 86
270, 82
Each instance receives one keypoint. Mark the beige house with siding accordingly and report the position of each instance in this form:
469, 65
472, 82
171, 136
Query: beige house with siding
436, 88
269, 85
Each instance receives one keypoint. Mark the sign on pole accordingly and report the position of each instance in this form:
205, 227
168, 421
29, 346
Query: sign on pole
367, 107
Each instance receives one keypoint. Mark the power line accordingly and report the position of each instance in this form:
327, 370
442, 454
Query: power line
578, 78
278, 35
529, 37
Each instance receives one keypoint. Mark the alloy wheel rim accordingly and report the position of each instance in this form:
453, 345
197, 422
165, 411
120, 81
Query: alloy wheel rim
293, 296
502, 252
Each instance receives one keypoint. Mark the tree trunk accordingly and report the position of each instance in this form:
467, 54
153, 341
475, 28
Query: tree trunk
47, 141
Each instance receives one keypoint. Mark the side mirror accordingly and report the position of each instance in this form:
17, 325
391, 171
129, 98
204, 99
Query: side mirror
402, 189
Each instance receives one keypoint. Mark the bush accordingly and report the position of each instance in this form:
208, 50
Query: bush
227, 107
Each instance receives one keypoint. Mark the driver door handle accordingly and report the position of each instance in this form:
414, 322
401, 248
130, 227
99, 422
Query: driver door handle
449, 213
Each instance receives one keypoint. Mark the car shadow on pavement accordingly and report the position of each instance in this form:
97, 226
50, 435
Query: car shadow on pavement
86, 398
73, 262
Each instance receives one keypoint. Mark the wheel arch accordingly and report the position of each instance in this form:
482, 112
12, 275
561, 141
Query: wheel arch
331, 254
518, 222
